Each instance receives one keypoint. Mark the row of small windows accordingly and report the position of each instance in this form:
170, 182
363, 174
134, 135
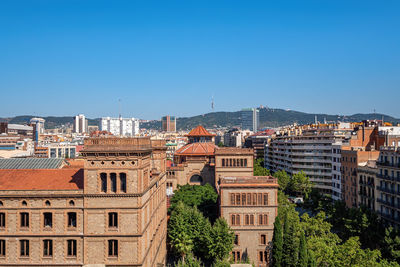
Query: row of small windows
47, 248
112, 182
48, 219
249, 199
249, 219
234, 162
47, 203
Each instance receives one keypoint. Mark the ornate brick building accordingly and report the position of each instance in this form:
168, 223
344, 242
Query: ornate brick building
112, 212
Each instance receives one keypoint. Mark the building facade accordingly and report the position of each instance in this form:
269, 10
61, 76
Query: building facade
168, 124
112, 212
250, 119
388, 186
249, 205
120, 126
80, 124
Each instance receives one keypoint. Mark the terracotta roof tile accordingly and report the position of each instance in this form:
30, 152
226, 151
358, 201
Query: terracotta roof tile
199, 131
42, 179
197, 149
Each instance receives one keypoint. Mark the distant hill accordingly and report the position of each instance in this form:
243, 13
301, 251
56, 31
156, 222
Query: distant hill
268, 118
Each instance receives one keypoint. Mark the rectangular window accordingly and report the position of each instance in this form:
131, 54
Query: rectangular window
113, 179
246, 219
47, 248
122, 178
103, 178
232, 199
245, 162
48, 219
112, 248
24, 248
236, 256
223, 162
254, 199
243, 199
112, 219
2, 220
248, 199
236, 241
265, 199
71, 219
263, 239
233, 219
71, 248
2, 248
24, 219
251, 219
237, 199
259, 199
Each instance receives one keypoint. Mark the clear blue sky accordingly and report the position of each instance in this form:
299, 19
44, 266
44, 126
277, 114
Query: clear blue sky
170, 57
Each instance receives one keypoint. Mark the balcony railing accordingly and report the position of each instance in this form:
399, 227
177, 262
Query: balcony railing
387, 190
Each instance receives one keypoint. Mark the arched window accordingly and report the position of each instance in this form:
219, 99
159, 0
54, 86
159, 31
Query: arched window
24, 203
71, 203
196, 179
47, 203
1, 203
223, 162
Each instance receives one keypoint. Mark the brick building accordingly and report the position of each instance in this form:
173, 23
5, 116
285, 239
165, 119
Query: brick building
250, 205
112, 212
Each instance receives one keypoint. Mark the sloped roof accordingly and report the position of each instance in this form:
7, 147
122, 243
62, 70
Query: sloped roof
199, 131
31, 163
58, 179
197, 149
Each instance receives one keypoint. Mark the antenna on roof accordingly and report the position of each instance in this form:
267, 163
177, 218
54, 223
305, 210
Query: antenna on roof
119, 107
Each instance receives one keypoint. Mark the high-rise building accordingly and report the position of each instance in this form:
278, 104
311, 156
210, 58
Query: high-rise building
120, 126
250, 119
38, 127
80, 124
168, 124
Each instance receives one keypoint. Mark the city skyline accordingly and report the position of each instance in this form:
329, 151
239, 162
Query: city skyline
61, 58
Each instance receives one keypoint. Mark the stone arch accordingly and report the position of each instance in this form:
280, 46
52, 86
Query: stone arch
196, 179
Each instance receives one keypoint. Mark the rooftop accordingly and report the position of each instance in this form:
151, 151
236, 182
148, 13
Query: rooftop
31, 163
249, 181
116, 144
197, 149
199, 131
58, 179
233, 150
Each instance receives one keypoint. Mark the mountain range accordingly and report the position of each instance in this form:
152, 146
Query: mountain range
268, 118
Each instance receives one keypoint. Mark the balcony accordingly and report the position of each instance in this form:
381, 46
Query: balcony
387, 190
388, 178
388, 164
388, 203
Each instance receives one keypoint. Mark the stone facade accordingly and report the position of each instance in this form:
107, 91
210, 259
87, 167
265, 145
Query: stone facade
117, 217
250, 205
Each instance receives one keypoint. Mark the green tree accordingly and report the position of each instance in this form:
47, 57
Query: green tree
391, 244
189, 261
283, 180
303, 255
290, 247
259, 169
188, 230
203, 197
311, 260
220, 241
220, 144
277, 242
300, 184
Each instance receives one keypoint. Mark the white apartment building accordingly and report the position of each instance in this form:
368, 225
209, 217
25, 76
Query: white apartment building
80, 124
120, 126
336, 174
309, 151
